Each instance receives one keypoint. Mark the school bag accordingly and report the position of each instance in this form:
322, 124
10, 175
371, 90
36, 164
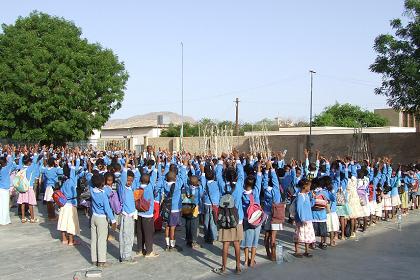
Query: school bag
278, 211
227, 214
347, 229
370, 192
387, 188
320, 202
59, 198
340, 197
115, 203
166, 205
142, 204
254, 212
20, 182
189, 209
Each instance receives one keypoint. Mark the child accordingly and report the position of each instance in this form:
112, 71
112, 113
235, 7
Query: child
51, 174
379, 202
28, 198
231, 182
304, 232
332, 217
211, 200
252, 187
145, 223
128, 215
99, 224
193, 193
7, 165
271, 196
319, 211
68, 220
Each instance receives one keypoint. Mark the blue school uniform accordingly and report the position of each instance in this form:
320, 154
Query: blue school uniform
5, 173
100, 204
303, 208
149, 195
271, 194
69, 186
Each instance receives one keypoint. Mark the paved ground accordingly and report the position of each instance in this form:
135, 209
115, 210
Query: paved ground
33, 251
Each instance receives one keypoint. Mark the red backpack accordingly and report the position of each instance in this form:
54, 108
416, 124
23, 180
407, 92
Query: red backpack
142, 204
254, 212
59, 198
320, 202
371, 192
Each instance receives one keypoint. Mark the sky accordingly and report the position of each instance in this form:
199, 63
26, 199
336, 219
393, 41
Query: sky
259, 51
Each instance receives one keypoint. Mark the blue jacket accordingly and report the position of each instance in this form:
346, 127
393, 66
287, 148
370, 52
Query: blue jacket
303, 208
148, 195
69, 186
5, 173
271, 194
51, 175
255, 193
176, 196
126, 195
100, 204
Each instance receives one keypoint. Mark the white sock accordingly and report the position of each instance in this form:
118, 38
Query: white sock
167, 241
172, 243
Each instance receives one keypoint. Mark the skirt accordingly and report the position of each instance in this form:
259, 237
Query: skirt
379, 208
270, 226
404, 200
232, 234
28, 197
395, 200
68, 219
304, 233
4, 207
48, 194
372, 207
343, 211
387, 202
366, 210
333, 223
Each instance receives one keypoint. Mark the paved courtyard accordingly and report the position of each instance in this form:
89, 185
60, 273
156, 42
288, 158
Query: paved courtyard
33, 251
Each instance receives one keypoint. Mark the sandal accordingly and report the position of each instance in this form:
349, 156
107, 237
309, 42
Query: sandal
24, 220
34, 221
219, 270
75, 243
307, 255
238, 271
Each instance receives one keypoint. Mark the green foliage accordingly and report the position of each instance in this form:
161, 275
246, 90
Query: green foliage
398, 61
55, 85
347, 115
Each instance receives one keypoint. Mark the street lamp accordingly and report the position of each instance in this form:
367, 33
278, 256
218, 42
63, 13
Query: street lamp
182, 95
312, 72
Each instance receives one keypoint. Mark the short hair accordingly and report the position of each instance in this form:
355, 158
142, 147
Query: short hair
97, 180
130, 173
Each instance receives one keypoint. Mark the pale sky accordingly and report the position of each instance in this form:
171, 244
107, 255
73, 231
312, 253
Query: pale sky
259, 51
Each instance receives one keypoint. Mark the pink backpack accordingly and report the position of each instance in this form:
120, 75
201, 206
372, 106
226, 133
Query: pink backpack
254, 212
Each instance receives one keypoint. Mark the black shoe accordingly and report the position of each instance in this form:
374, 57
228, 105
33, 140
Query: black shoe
168, 248
175, 249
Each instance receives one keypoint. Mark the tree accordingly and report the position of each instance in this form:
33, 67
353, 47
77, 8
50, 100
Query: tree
398, 61
55, 85
347, 115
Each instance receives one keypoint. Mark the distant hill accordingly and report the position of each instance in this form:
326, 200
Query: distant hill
146, 120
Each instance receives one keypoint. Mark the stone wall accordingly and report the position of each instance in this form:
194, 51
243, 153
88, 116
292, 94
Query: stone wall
402, 147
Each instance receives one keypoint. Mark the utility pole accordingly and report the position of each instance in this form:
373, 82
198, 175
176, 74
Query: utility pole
237, 116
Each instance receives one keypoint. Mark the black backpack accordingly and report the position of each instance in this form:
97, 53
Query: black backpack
166, 205
228, 216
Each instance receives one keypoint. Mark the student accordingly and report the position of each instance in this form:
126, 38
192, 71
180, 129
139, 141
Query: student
333, 223
128, 215
304, 231
172, 189
145, 223
252, 189
319, 211
379, 202
7, 165
51, 173
193, 193
101, 210
271, 196
28, 198
211, 199
232, 182
356, 210
68, 219
362, 191
395, 182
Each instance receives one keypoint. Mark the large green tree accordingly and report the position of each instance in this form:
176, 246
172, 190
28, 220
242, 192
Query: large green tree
398, 61
348, 115
55, 85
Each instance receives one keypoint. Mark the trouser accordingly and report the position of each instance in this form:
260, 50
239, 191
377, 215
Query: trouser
191, 229
99, 233
145, 229
210, 229
126, 237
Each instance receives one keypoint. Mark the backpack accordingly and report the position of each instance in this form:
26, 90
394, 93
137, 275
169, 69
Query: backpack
142, 204
227, 214
59, 198
340, 197
115, 203
370, 192
188, 209
254, 212
320, 202
166, 205
347, 229
20, 182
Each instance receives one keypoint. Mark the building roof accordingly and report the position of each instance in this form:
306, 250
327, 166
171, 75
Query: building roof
147, 120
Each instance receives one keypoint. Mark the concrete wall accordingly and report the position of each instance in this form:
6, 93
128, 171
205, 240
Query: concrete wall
402, 147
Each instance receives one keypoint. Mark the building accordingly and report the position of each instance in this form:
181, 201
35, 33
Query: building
133, 132
397, 118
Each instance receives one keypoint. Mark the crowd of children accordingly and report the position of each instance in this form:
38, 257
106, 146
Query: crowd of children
234, 197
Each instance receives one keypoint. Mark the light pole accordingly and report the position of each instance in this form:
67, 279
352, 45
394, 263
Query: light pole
312, 72
182, 96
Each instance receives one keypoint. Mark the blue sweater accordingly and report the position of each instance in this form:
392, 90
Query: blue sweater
303, 208
100, 204
255, 193
126, 195
69, 186
5, 173
51, 175
148, 195
176, 196
320, 215
271, 194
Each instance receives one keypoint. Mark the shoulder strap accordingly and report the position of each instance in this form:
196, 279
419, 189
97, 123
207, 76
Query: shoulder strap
251, 199
171, 192
208, 193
